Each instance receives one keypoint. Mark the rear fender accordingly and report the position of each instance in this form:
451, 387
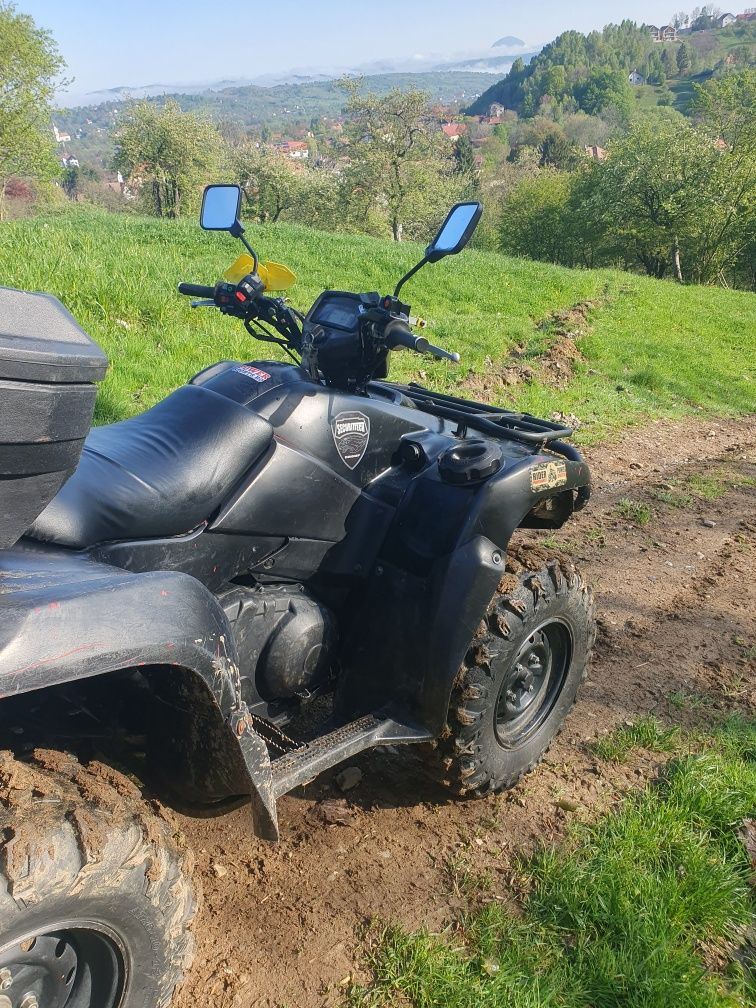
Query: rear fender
64, 617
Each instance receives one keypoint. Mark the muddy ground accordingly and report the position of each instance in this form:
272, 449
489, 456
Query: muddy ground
284, 925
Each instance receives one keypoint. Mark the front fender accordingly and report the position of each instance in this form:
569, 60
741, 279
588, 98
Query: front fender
65, 617
438, 571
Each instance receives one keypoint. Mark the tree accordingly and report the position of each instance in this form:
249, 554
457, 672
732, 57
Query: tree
605, 87
655, 72
274, 188
536, 220
401, 165
679, 201
167, 153
667, 63
29, 64
683, 58
704, 18
727, 107
269, 183
464, 156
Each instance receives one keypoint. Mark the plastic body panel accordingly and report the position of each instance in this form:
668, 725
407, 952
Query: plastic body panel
48, 370
66, 617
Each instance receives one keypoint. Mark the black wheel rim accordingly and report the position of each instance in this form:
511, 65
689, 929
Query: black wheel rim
532, 683
66, 965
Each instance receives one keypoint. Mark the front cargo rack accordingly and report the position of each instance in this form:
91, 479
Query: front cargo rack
483, 418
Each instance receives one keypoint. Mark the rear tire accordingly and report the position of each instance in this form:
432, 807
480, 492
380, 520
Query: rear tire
95, 893
520, 676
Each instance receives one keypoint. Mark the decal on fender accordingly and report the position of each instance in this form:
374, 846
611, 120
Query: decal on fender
351, 433
252, 372
548, 475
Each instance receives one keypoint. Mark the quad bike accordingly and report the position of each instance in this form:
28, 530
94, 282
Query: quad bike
275, 568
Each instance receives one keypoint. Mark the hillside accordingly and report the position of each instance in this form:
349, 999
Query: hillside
282, 107
607, 347
567, 67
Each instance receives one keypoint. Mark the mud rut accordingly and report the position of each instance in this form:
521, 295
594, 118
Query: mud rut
286, 925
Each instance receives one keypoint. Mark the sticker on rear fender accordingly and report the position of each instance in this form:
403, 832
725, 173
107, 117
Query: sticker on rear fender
548, 475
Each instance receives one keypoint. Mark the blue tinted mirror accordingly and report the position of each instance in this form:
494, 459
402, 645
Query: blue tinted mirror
456, 231
220, 207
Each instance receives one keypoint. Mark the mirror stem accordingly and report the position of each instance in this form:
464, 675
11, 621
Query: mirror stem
238, 232
407, 276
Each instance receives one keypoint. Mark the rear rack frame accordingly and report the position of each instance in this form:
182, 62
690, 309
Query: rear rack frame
484, 418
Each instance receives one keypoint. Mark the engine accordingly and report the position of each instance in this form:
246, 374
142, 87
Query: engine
285, 639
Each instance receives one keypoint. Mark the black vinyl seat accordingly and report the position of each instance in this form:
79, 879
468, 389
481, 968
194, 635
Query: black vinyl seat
158, 474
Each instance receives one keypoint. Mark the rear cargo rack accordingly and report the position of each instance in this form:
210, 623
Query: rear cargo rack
483, 418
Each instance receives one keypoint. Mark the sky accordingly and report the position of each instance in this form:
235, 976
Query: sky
189, 41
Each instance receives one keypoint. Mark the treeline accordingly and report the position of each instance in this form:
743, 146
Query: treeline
674, 198
609, 183
586, 73
393, 173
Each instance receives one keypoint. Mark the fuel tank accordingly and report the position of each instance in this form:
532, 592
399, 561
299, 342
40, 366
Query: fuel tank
349, 477
317, 485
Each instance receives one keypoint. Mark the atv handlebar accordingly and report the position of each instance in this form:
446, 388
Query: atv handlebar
398, 334
196, 290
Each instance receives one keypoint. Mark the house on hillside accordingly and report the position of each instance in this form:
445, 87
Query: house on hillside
667, 33
595, 152
725, 19
454, 130
636, 78
61, 137
296, 149
496, 109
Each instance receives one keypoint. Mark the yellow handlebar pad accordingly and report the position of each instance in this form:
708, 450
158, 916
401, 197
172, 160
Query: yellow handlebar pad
275, 276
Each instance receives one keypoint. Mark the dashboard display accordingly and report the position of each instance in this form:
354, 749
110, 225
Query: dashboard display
337, 312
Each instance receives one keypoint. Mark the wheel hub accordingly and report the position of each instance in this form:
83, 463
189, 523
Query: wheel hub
67, 968
532, 682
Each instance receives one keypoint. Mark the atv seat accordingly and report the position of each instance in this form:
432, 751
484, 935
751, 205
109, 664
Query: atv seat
158, 474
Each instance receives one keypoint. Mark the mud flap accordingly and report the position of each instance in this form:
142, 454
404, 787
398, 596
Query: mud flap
254, 752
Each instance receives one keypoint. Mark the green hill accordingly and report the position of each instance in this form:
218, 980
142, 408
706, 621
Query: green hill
645, 347
592, 69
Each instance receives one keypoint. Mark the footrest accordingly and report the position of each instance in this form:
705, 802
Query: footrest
305, 764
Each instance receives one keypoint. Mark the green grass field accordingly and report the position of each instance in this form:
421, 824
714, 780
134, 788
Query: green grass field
651, 348
649, 908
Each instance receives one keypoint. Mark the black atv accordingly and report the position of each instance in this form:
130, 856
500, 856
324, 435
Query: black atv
277, 567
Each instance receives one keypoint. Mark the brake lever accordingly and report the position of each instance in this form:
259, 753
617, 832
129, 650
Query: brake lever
423, 346
207, 303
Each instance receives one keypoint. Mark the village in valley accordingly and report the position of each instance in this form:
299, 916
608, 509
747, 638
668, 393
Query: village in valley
316, 143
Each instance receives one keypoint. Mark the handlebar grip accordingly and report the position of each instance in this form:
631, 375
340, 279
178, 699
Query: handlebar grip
397, 334
196, 290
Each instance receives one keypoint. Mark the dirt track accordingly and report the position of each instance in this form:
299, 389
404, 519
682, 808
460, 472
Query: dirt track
283, 925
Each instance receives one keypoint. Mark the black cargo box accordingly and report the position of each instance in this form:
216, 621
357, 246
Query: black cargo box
49, 368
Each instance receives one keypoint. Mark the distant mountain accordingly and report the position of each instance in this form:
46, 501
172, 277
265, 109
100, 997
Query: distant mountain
497, 59
510, 41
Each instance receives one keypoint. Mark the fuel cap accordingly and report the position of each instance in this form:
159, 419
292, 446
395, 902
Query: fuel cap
470, 461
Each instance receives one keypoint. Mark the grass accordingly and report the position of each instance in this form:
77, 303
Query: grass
672, 497
653, 348
645, 909
645, 733
634, 511
709, 486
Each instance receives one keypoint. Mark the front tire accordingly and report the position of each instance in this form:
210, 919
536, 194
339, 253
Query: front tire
520, 676
95, 893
